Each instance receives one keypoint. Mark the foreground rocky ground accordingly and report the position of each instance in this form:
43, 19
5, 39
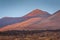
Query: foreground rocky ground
31, 35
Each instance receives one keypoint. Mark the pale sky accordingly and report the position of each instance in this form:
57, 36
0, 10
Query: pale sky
18, 8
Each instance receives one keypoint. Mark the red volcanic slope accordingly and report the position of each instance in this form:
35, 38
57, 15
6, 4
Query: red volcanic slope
24, 24
37, 13
51, 23
20, 26
11, 20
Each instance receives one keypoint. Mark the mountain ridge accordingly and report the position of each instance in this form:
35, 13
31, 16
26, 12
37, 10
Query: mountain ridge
11, 20
42, 15
50, 22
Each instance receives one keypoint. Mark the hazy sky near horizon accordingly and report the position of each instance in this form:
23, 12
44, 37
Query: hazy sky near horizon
18, 8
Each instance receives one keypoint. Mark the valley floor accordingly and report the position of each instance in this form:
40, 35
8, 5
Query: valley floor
30, 35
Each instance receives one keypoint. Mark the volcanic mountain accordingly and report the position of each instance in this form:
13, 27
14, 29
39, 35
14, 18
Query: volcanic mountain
51, 23
36, 16
37, 13
11, 20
